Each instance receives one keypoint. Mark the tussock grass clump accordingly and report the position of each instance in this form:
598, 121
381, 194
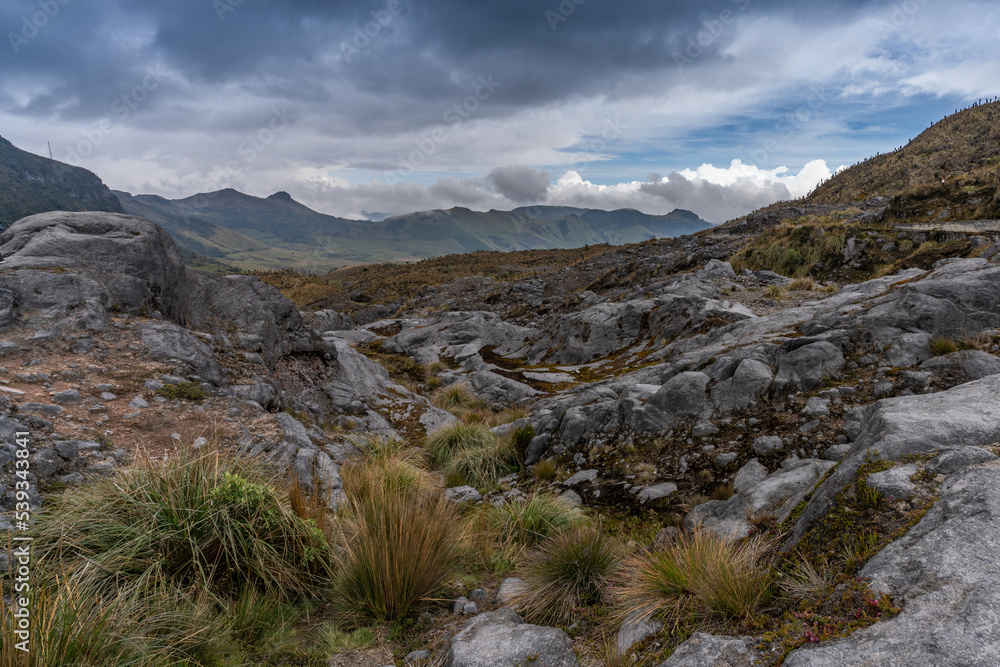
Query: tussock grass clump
203, 520
443, 445
453, 397
500, 534
775, 292
802, 284
701, 576
174, 563
132, 627
471, 454
804, 582
530, 521
483, 466
545, 470
399, 539
569, 570
941, 345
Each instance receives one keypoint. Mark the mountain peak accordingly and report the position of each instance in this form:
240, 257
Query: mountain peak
281, 195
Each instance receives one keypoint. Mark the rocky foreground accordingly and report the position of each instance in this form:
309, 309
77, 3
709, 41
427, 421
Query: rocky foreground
692, 377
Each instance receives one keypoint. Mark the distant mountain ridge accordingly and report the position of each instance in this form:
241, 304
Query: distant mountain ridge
32, 184
277, 231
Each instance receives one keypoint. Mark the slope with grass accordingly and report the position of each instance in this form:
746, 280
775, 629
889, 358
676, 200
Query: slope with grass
34, 184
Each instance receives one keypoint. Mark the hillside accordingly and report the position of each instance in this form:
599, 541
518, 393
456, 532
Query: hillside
33, 184
949, 171
278, 232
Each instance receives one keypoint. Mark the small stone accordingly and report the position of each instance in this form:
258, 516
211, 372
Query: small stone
459, 605
132, 414
817, 407
768, 444
509, 588
723, 460
107, 396
470, 608
582, 476
478, 594
103, 387
416, 657
656, 492
883, 389
68, 396
704, 428
809, 427
72, 478
234, 411
152, 385
894, 482
836, 452
463, 494
176, 437
571, 498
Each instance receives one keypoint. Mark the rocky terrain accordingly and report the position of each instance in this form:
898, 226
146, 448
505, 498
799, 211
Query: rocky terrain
815, 381
653, 375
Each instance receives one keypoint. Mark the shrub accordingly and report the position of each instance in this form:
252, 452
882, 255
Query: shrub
569, 570
521, 438
941, 346
398, 541
189, 391
700, 575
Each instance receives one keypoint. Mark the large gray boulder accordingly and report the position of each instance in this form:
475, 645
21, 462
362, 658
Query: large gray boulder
502, 639
973, 364
134, 262
806, 366
751, 380
168, 342
944, 572
682, 395
595, 332
265, 321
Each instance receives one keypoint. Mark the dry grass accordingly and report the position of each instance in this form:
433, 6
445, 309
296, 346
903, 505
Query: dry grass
399, 539
570, 570
802, 284
545, 471
941, 345
699, 576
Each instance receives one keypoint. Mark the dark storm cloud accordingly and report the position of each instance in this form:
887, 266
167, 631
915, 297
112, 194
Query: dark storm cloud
424, 54
520, 183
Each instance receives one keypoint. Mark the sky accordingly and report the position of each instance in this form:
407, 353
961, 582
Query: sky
361, 108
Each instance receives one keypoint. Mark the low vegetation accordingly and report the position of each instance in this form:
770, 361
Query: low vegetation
570, 570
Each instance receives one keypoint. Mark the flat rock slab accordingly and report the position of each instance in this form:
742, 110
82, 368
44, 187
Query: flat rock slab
946, 574
704, 650
502, 639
